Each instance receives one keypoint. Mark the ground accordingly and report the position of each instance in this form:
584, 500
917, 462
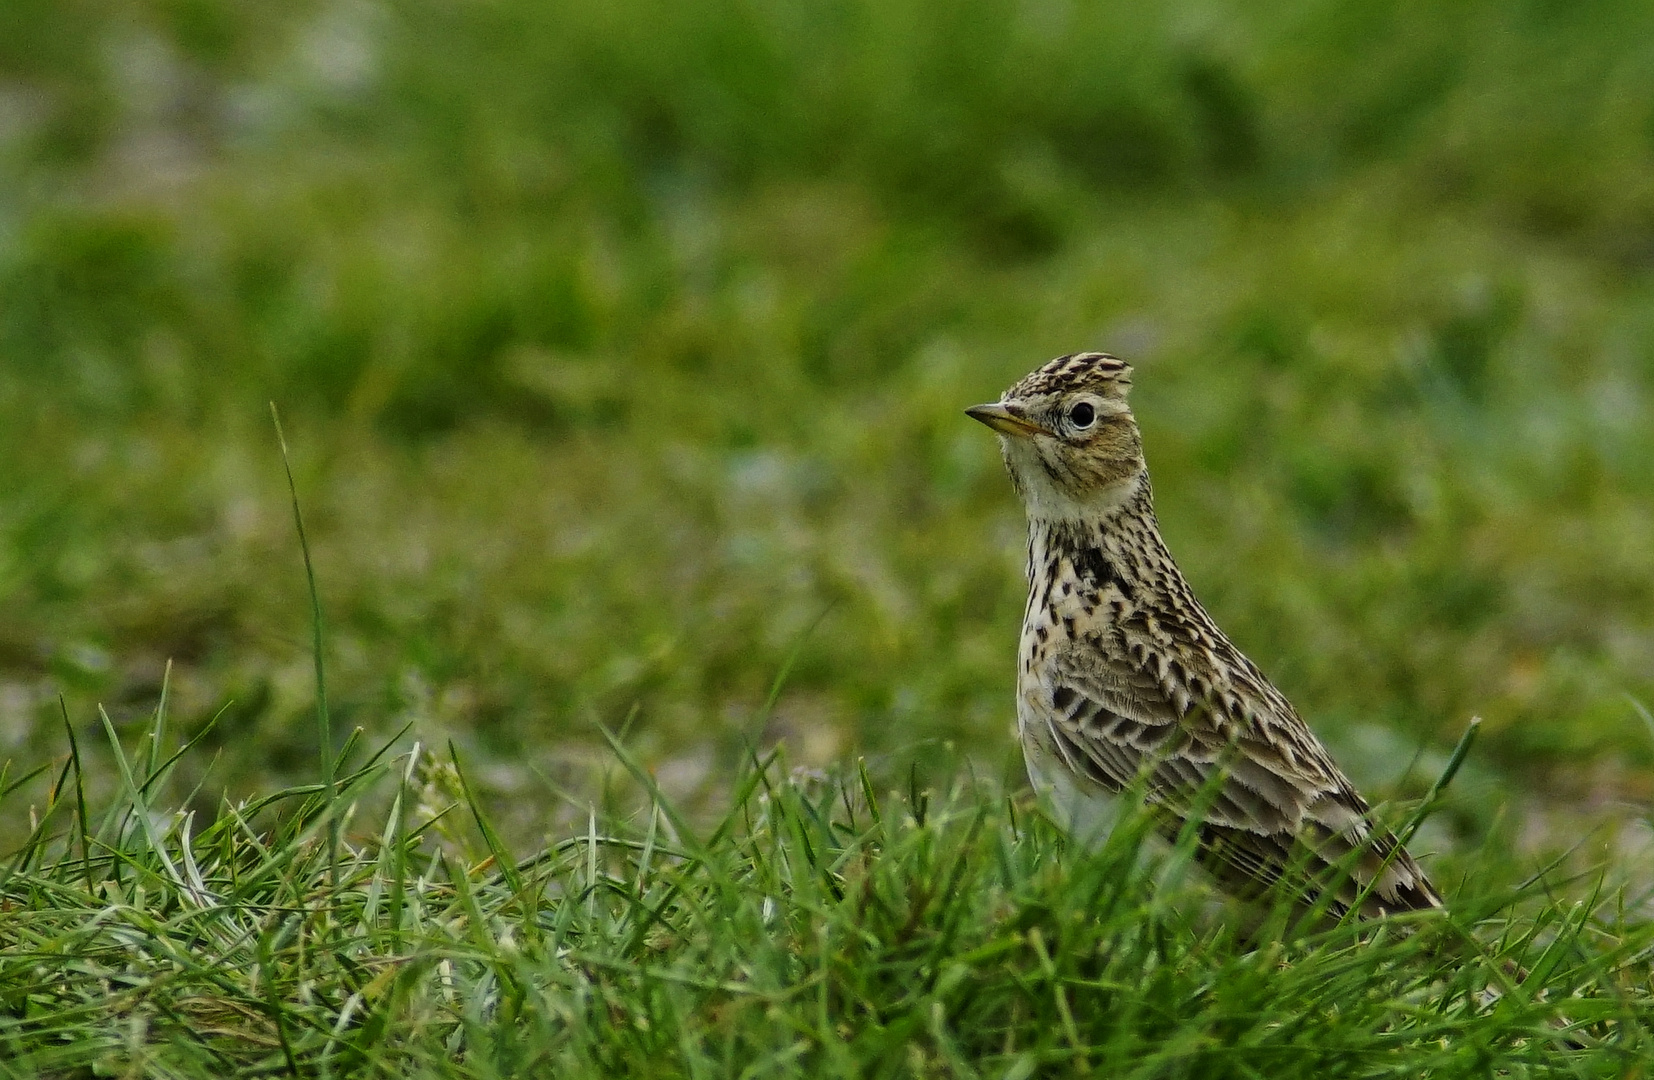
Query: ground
622, 352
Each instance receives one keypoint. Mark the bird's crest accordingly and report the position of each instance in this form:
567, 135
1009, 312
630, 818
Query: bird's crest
1094, 371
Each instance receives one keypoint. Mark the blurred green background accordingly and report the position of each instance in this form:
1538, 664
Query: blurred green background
618, 342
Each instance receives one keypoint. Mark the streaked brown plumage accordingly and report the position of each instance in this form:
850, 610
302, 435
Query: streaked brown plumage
1124, 679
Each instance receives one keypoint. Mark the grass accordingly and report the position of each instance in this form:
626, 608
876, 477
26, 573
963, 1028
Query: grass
611, 366
818, 928
375, 923
617, 344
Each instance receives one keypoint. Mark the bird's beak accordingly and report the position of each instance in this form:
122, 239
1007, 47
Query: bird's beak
1004, 421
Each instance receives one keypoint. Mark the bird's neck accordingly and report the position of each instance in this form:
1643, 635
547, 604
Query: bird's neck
1050, 496
1123, 532
1126, 509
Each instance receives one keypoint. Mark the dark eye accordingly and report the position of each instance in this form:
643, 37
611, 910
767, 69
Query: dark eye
1082, 415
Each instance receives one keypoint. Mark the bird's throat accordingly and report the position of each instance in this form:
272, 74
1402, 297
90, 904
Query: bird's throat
1053, 504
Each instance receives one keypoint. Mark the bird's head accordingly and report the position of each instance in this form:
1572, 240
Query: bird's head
1068, 436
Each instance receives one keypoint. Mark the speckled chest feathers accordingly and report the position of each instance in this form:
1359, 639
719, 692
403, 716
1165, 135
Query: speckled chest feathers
1110, 583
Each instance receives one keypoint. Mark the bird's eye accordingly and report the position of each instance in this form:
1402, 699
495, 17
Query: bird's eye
1082, 415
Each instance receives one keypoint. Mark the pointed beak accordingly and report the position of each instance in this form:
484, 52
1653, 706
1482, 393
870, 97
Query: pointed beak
1004, 421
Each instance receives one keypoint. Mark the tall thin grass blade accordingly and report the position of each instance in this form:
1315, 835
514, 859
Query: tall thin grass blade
81, 824
324, 723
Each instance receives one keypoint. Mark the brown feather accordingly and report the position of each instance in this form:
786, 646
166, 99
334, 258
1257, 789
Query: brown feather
1125, 682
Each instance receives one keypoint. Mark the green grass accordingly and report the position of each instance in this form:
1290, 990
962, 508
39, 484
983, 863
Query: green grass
621, 350
616, 347
818, 928
375, 923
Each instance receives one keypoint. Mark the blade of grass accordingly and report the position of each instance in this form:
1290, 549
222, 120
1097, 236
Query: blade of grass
502, 858
1432, 797
80, 792
158, 773
779, 683
158, 729
141, 811
1426, 807
6, 789
324, 723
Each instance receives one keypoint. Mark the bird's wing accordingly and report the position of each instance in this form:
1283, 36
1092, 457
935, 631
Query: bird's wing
1269, 801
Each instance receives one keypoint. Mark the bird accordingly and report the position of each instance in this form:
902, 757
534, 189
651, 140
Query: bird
1126, 684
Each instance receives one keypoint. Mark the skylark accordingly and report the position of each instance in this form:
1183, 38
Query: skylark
1124, 681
